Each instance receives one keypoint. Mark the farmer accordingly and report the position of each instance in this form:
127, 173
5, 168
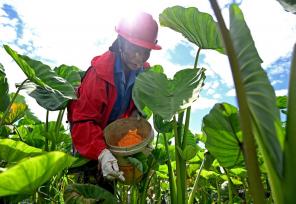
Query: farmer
105, 92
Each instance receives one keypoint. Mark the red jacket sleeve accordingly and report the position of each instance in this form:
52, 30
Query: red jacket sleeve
86, 115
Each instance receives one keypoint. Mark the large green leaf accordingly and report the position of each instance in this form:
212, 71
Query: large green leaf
50, 91
70, 73
31, 173
261, 99
198, 27
288, 5
28, 113
4, 97
87, 194
224, 137
18, 110
12, 151
162, 126
165, 97
290, 140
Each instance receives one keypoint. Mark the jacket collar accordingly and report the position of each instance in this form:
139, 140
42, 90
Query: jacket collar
104, 66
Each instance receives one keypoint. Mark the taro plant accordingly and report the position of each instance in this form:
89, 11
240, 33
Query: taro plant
170, 100
258, 113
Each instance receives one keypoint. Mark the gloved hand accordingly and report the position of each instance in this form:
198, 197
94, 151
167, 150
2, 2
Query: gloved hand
109, 166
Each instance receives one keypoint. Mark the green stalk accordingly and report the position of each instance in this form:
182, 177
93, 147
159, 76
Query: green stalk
250, 156
46, 131
196, 57
218, 192
229, 187
192, 194
177, 156
150, 174
186, 127
11, 102
134, 194
172, 182
57, 129
180, 163
289, 183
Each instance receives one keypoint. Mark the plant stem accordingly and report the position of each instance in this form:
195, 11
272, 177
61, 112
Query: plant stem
46, 131
229, 186
57, 129
18, 133
186, 127
218, 192
250, 156
172, 182
11, 102
196, 57
180, 163
192, 194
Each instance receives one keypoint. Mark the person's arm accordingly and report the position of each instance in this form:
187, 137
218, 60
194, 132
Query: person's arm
86, 113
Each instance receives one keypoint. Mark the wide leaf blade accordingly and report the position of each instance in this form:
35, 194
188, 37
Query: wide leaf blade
198, 27
69, 73
31, 173
12, 151
261, 99
224, 137
45, 80
290, 140
166, 97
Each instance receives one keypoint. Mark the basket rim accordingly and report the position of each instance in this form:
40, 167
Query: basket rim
131, 149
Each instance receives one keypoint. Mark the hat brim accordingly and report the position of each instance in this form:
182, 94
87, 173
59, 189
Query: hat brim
139, 42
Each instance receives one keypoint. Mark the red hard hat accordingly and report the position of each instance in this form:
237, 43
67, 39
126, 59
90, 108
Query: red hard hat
142, 30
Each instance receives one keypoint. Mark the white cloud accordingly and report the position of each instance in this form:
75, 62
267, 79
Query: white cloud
277, 70
72, 32
8, 33
203, 103
218, 64
210, 91
216, 96
272, 28
281, 92
274, 82
231, 92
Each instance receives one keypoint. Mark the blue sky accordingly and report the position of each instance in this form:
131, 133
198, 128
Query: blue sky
72, 32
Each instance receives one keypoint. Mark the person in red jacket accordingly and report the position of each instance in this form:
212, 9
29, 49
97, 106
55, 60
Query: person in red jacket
105, 91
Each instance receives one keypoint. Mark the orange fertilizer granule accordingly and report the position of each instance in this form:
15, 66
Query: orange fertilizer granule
131, 138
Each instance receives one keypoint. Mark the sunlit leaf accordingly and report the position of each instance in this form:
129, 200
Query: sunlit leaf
260, 95
198, 27
165, 97
26, 176
288, 5
29, 117
290, 140
281, 102
12, 151
17, 110
50, 91
224, 137
70, 73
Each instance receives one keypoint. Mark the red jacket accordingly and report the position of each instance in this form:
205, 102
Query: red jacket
89, 114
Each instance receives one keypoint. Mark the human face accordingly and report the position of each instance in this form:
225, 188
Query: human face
134, 56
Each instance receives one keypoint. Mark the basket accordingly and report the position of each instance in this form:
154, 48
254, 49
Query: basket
115, 131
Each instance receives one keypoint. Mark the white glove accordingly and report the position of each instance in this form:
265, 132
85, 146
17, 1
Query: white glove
109, 166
